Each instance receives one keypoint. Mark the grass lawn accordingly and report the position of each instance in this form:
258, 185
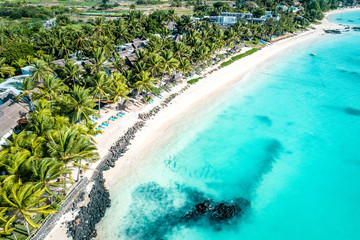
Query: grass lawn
255, 45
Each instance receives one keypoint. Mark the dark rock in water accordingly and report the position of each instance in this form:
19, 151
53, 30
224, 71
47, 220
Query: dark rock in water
264, 119
352, 111
217, 212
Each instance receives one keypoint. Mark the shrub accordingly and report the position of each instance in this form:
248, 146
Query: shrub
247, 53
221, 56
227, 63
192, 81
14, 51
155, 90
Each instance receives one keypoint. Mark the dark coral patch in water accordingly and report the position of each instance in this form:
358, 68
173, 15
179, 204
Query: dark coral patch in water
152, 213
264, 119
352, 111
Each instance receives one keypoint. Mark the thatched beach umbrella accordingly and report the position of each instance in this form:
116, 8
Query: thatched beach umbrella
138, 97
128, 104
168, 85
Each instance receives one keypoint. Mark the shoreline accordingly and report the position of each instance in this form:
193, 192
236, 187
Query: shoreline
235, 73
191, 99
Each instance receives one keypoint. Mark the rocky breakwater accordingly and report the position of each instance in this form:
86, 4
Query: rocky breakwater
83, 226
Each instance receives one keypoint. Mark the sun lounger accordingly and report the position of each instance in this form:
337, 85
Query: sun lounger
105, 124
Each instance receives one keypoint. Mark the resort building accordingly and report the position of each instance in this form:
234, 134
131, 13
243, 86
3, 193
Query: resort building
230, 18
27, 70
282, 7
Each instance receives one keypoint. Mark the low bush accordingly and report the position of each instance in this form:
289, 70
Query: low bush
227, 63
237, 57
220, 56
192, 81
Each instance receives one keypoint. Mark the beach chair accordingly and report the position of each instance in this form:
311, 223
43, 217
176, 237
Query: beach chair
105, 124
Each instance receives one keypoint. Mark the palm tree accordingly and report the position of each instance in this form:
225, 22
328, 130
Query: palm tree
15, 165
6, 70
45, 171
185, 66
121, 32
100, 28
80, 41
40, 70
42, 121
19, 63
101, 86
51, 87
118, 63
169, 62
26, 87
119, 89
69, 145
71, 72
21, 201
144, 81
98, 60
155, 64
80, 104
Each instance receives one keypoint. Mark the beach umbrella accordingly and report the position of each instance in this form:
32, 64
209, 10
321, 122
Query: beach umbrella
168, 85
128, 104
138, 97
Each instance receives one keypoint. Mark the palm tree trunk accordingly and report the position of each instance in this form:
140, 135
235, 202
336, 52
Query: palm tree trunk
78, 174
99, 104
14, 235
31, 104
27, 228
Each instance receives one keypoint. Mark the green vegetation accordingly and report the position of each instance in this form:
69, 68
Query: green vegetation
237, 57
192, 81
247, 53
227, 63
38, 164
16, 10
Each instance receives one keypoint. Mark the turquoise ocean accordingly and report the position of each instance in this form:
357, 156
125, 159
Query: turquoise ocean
287, 140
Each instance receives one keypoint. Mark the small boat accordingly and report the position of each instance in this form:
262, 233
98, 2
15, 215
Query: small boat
312, 54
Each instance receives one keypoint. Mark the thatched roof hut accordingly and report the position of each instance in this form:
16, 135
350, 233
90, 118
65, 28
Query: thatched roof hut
10, 113
137, 45
130, 60
122, 53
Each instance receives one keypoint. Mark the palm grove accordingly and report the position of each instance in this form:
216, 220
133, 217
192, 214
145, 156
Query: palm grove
57, 142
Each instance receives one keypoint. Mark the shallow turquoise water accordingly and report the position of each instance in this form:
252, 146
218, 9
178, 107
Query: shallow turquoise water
349, 18
288, 141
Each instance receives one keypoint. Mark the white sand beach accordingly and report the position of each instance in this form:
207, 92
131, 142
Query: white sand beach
195, 95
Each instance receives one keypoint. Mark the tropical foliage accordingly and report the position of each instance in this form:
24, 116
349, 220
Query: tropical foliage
37, 164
